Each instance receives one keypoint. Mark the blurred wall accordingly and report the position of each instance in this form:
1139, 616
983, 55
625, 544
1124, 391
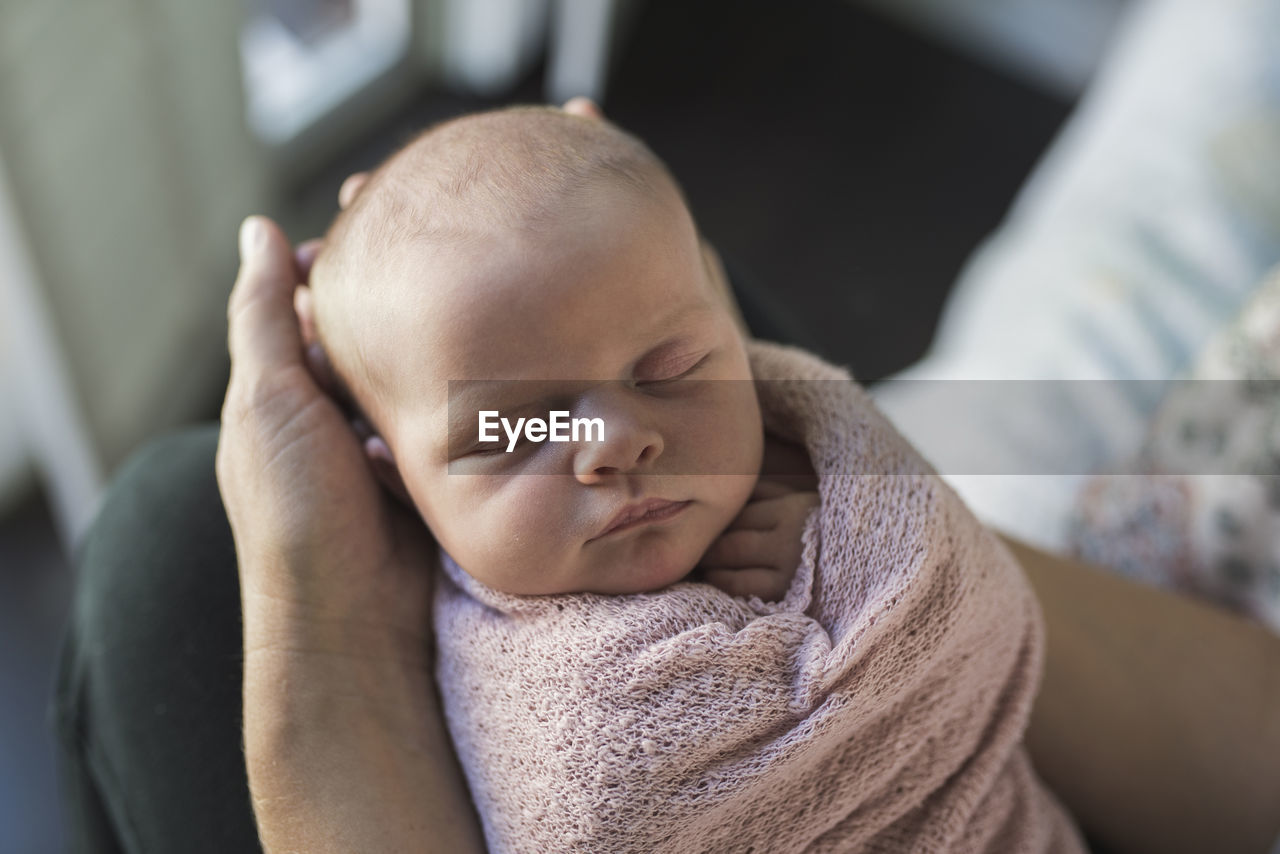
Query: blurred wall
121, 122
1053, 44
14, 467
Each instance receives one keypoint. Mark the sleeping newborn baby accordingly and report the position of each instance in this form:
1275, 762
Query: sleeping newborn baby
643, 644
535, 247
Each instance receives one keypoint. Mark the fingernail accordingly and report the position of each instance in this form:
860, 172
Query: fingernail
253, 234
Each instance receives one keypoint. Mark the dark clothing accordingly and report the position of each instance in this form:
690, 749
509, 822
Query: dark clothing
148, 704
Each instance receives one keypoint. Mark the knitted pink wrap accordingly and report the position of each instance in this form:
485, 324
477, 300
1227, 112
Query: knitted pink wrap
880, 706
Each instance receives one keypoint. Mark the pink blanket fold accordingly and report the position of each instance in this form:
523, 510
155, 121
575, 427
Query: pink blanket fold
880, 706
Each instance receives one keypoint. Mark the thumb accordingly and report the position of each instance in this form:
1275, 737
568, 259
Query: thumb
262, 330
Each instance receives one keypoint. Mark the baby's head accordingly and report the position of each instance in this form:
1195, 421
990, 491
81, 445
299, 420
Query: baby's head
555, 254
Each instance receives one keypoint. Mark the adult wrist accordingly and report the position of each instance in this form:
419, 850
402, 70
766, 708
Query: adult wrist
275, 626
349, 753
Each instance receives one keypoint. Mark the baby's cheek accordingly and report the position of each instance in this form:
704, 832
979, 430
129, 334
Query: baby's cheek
531, 527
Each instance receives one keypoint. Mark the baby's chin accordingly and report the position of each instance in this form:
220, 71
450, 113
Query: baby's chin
653, 563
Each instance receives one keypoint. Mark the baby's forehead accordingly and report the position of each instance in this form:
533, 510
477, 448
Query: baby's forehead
526, 175
514, 175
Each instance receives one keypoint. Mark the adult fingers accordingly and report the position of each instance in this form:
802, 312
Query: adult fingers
581, 106
316, 358
262, 331
305, 256
351, 188
304, 310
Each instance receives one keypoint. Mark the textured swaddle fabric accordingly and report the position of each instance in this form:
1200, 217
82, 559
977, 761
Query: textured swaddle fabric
880, 706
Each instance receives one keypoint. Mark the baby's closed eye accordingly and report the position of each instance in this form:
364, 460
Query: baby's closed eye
670, 368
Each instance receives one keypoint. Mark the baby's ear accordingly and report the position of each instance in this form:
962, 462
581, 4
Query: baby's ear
384, 467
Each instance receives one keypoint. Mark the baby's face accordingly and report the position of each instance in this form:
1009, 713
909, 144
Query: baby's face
608, 313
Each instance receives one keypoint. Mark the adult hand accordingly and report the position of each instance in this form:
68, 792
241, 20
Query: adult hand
344, 745
317, 539
312, 527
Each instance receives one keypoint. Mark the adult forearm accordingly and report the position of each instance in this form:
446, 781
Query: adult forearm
344, 744
1158, 720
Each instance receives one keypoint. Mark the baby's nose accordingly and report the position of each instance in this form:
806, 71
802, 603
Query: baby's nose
631, 440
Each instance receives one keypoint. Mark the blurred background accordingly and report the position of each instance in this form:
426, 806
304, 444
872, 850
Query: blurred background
846, 157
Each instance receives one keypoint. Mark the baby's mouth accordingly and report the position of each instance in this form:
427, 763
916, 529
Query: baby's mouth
645, 512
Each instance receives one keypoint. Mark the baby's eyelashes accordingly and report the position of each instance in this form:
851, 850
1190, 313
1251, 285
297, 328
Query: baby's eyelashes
671, 370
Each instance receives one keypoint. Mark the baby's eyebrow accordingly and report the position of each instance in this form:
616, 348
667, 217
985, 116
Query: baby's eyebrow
468, 397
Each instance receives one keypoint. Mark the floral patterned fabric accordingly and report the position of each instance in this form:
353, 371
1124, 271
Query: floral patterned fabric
1198, 508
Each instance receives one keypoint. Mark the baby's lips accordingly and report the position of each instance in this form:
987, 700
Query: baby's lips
650, 509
